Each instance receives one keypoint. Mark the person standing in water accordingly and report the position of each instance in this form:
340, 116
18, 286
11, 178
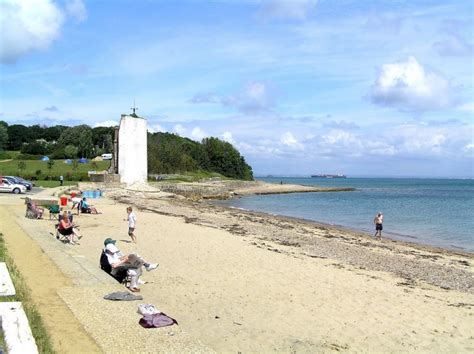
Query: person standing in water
132, 222
378, 221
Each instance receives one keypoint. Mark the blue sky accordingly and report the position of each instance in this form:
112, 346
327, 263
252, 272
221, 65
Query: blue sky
365, 88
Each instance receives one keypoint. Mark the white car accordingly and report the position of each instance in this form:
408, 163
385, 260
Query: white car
8, 187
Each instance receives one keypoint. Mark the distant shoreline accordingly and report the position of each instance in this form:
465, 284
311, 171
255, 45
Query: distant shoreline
364, 233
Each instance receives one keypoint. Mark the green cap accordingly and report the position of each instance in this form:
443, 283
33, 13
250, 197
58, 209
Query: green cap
109, 240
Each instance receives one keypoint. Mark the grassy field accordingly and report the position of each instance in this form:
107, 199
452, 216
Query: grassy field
52, 184
31, 167
23, 295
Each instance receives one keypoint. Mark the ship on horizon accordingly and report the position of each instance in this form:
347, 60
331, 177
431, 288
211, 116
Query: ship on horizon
329, 176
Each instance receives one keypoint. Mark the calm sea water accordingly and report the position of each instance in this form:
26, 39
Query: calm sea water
438, 212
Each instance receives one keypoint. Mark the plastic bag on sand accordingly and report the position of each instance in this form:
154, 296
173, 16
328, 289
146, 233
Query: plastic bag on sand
147, 309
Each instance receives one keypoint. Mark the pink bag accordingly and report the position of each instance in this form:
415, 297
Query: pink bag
156, 320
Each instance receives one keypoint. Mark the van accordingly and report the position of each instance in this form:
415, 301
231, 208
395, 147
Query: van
106, 156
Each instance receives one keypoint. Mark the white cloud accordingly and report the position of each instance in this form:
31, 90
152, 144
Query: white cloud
107, 123
380, 148
51, 109
198, 134
256, 97
289, 140
154, 128
467, 107
421, 139
204, 98
286, 9
27, 25
227, 136
409, 86
454, 45
180, 130
77, 9
340, 137
33, 25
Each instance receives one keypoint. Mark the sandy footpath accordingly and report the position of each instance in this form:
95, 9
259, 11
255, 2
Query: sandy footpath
246, 282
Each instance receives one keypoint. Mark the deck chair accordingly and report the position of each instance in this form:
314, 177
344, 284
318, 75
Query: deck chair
33, 211
54, 209
122, 276
59, 236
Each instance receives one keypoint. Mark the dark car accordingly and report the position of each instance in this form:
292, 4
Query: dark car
19, 180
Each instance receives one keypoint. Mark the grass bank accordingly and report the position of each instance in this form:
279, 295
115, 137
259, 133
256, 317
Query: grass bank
36, 169
24, 296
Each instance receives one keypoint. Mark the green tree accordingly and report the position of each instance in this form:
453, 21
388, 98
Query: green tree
220, 156
53, 133
75, 164
3, 137
70, 151
102, 138
50, 164
21, 166
36, 131
79, 136
169, 153
34, 148
17, 135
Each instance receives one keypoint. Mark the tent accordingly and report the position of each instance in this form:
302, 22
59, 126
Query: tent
83, 160
45, 158
68, 161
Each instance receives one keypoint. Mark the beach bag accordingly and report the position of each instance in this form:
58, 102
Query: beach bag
147, 309
156, 320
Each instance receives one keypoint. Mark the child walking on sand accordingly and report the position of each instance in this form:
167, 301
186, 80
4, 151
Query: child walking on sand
132, 222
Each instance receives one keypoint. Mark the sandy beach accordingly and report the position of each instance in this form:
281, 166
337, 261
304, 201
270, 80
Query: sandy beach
240, 281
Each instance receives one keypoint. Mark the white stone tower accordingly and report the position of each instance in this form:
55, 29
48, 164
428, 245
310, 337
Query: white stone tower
132, 149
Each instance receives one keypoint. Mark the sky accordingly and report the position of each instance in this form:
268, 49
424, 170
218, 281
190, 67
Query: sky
300, 87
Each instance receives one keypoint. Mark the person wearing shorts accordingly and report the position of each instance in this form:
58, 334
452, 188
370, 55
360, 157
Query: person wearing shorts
132, 222
378, 221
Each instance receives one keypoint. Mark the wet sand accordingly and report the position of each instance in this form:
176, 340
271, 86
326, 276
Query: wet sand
242, 281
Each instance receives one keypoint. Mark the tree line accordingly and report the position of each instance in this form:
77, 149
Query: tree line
167, 153
170, 153
57, 142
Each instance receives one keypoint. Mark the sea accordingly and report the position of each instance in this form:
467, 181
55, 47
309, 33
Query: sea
436, 212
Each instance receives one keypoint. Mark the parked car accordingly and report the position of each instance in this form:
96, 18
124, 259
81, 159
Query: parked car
19, 180
9, 187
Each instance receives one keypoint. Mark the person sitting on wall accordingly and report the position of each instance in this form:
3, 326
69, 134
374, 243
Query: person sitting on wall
87, 208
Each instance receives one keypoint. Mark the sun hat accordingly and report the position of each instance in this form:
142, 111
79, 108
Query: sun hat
109, 240
111, 248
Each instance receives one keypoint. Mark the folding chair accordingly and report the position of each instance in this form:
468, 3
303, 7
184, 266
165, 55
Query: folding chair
33, 211
54, 209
